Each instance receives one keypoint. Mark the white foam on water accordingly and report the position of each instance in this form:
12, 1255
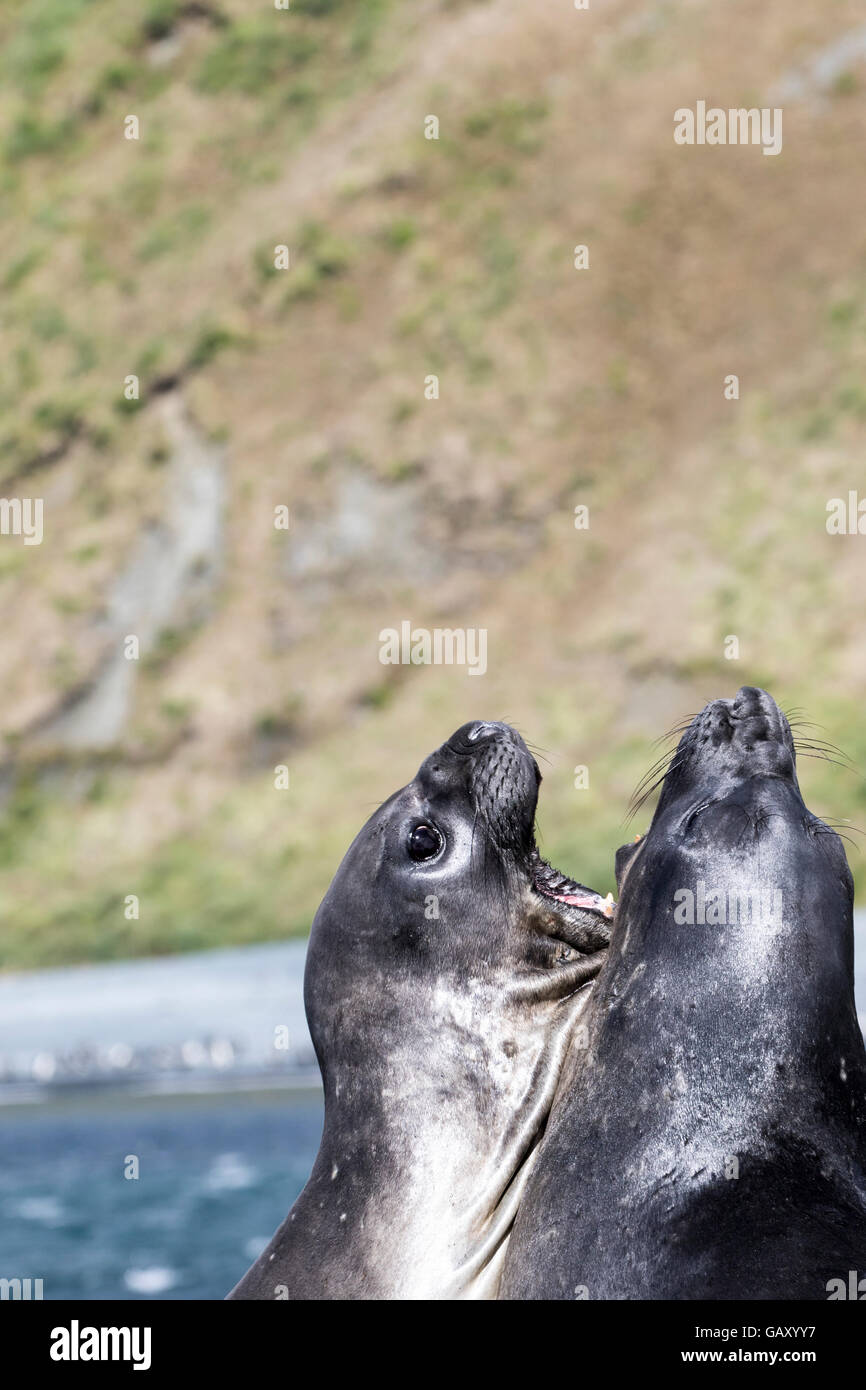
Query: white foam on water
47, 1211
229, 1173
151, 1279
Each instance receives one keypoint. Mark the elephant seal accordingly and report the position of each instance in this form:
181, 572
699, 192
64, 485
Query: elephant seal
712, 1146
447, 966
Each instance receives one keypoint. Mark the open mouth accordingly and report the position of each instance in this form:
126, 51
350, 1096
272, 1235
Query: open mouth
551, 884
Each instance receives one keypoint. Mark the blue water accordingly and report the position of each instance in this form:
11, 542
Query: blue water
217, 1175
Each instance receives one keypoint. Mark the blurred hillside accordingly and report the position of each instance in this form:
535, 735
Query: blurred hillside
305, 387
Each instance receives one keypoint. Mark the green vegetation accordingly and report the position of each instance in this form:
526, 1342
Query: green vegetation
251, 56
408, 257
512, 124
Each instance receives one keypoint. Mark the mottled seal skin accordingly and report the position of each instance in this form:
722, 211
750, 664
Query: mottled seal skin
712, 1050
447, 966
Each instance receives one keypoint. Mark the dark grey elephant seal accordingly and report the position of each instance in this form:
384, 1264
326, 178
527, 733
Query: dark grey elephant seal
713, 1146
447, 966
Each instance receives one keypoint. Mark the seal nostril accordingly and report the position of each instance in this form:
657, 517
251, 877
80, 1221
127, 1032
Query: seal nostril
489, 728
479, 730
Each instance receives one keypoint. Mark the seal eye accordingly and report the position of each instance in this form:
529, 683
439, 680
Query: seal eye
425, 841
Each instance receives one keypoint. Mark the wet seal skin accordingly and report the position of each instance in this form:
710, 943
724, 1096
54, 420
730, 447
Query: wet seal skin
448, 965
711, 1145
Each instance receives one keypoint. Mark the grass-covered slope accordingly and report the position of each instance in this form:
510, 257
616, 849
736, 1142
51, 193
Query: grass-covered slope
557, 387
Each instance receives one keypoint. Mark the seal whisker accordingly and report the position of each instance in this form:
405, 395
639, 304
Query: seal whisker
825, 758
537, 751
815, 750
832, 827
792, 712
821, 743
823, 748
653, 778
674, 731
659, 763
653, 771
641, 796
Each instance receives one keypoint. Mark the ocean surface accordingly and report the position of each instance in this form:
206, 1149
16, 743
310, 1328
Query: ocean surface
158, 1118
197, 1073
216, 1176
